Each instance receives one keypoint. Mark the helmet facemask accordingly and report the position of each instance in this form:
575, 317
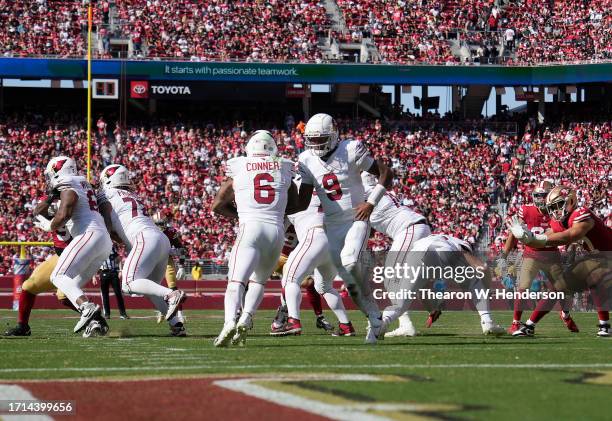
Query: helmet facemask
539, 200
558, 209
319, 145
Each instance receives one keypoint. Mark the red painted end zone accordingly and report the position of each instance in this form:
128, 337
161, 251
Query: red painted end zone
170, 399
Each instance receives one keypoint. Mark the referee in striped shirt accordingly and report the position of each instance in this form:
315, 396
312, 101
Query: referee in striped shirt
109, 276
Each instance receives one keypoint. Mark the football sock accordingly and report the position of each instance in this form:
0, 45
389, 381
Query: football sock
146, 287
26, 303
485, 317
315, 299
233, 300
293, 298
334, 301
518, 308
283, 301
69, 287
603, 316
597, 293
253, 298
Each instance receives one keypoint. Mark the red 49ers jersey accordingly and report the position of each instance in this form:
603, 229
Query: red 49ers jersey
291, 241
537, 223
598, 238
172, 236
60, 237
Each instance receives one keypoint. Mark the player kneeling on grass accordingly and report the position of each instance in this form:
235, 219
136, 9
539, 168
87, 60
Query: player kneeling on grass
91, 244
442, 251
571, 224
40, 279
148, 247
260, 186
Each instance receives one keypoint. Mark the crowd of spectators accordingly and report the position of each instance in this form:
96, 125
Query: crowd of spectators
43, 27
225, 29
525, 31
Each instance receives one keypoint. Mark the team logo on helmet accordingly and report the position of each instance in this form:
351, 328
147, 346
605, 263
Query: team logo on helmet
59, 164
111, 170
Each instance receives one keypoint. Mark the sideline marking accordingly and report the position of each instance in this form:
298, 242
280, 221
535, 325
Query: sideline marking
11, 392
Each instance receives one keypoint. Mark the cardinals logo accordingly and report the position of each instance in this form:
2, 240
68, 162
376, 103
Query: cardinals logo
58, 165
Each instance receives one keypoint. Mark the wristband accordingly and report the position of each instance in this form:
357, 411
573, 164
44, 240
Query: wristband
377, 194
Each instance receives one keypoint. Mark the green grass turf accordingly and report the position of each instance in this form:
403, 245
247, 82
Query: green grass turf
496, 385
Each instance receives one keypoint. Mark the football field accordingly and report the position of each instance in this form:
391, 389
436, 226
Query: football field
447, 372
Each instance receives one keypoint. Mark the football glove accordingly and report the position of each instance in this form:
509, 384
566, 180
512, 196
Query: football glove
521, 233
42, 223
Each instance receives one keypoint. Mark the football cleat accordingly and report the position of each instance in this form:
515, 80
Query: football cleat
525, 330
224, 338
433, 316
604, 330
490, 329
88, 311
160, 317
569, 323
178, 330
106, 315
280, 319
174, 300
514, 327
344, 329
322, 323
406, 328
124, 316
22, 329
375, 329
93, 329
292, 327
244, 325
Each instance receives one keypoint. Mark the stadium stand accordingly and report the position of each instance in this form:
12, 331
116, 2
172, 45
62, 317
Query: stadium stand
441, 32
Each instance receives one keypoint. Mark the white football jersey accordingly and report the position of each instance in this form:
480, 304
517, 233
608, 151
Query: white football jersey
389, 216
441, 243
311, 217
261, 186
85, 215
337, 181
128, 215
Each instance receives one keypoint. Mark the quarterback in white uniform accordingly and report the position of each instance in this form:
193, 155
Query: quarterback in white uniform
90, 245
333, 169
311, 254
405, 227
145, 265
260, 184
442, 251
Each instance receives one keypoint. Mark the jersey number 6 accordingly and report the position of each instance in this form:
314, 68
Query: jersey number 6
259, 195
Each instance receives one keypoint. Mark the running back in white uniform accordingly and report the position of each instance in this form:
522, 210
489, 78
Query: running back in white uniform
91, 243
261, 186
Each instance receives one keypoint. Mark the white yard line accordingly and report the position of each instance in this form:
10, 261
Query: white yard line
212, 365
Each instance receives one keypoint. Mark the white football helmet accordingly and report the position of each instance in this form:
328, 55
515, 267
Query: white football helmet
261, 143
115, 175
321, 134
158, 219
59, 167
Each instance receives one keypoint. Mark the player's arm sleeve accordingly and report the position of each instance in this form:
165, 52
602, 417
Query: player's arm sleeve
361, 156
305, 174
101, 197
